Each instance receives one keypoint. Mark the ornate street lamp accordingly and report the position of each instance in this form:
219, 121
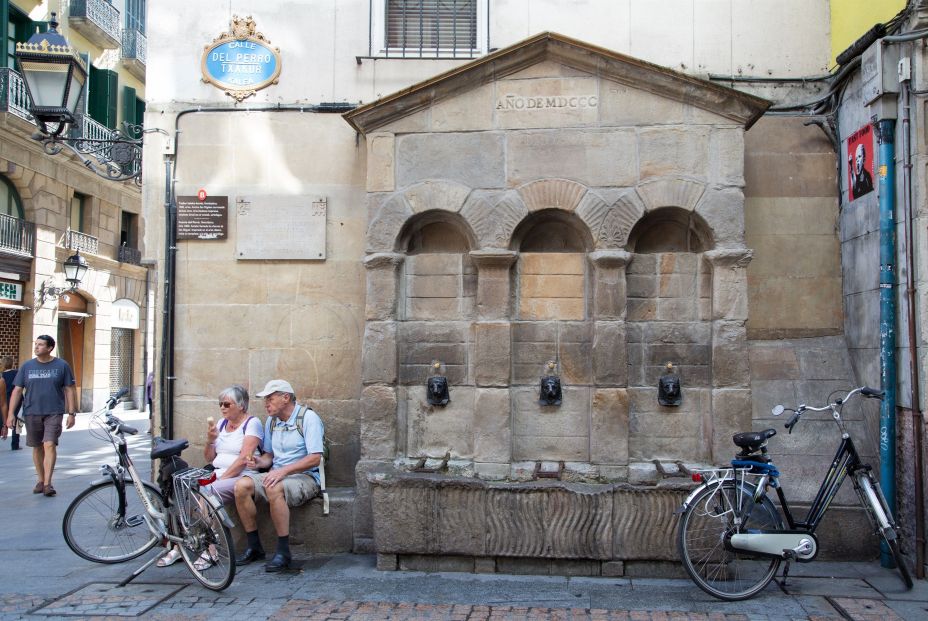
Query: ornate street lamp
55, 77
75, 267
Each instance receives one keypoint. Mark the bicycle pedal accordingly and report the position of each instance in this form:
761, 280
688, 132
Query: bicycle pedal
135, 520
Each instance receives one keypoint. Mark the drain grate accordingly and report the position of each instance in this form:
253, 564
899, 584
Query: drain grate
109, 599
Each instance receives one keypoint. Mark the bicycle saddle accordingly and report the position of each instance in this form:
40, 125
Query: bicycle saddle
168, 448
750, 441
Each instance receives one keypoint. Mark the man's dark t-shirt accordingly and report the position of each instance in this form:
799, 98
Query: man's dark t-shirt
44, 383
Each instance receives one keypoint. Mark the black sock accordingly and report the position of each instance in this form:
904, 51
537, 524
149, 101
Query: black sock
283, 545
254, 542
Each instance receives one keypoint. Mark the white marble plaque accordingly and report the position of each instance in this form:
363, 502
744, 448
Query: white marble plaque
280, 227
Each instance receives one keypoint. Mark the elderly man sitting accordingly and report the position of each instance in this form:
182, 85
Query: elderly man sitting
293, 449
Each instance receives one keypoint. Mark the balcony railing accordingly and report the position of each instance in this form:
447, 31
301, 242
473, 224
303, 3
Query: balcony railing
13, 97
17, 236
134, 48
129, 255
98, 20
75, 240
134, 45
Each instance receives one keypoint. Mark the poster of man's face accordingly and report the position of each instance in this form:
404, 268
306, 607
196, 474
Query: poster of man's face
860, 162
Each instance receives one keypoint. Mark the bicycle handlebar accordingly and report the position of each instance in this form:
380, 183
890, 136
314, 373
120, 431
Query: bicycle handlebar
870, 393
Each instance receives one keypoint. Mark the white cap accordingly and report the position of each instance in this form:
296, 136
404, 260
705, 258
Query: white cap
276, 385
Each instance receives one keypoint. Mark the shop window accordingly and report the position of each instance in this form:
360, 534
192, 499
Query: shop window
122, 346
429, 28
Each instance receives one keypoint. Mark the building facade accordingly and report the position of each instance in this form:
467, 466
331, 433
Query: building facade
54, 207
516, 190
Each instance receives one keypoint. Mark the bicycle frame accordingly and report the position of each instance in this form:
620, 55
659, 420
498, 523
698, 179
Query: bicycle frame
845, 462
157, 521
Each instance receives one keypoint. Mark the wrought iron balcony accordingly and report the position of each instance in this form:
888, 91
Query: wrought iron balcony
97, 20
13, 97
75, 240
17, 236
134, 49
125, 254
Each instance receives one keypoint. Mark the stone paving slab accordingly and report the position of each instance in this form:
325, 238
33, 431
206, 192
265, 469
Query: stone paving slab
109, 599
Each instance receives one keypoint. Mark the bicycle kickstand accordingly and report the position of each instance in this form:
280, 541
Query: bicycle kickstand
138, 572
783, 582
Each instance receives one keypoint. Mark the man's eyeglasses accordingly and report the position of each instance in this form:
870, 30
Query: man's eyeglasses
268, 397
225, 404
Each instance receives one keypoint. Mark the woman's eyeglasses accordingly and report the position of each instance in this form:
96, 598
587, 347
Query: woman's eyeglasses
225, 404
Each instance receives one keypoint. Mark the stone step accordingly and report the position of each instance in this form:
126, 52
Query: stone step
310, 530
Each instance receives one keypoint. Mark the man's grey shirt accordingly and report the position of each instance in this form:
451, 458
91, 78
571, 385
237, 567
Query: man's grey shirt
44, 383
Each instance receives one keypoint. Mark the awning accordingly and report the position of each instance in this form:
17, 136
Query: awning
72, 315
14, 307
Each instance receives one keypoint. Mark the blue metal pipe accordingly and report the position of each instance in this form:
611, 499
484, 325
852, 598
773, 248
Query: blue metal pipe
885, 130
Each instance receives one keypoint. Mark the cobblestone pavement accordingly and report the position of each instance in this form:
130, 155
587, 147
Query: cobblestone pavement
195, 607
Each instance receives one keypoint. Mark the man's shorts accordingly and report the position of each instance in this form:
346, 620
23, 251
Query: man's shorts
41, 428
299, 488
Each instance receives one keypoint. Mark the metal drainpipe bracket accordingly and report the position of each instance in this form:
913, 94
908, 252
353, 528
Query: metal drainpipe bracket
420, 465
548, 474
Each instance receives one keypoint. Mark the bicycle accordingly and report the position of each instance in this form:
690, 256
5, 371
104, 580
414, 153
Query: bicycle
732, 537
120, 516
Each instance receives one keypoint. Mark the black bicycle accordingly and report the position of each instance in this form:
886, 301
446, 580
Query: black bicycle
120, 516
732, 538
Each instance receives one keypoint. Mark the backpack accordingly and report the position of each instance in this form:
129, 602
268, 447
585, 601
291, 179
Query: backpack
300, 414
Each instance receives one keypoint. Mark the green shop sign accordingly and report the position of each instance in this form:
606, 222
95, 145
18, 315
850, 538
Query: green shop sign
241, 61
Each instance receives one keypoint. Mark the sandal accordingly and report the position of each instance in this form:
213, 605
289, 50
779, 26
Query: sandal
39, 488
171, 557
205, 561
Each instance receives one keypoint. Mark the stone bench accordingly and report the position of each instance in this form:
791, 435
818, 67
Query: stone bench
310, 530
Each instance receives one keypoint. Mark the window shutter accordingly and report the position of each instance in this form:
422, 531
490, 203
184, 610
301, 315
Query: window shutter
128, 105
432, 24
139, 111
96, 100
112, 99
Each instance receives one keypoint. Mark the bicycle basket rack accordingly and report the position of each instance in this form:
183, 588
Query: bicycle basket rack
186, 481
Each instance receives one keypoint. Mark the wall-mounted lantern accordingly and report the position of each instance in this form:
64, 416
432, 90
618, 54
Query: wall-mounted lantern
550, 385
437, 392
669, 387
75, 267
55, 77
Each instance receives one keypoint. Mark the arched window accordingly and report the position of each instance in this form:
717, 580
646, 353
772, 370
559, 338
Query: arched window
10, 205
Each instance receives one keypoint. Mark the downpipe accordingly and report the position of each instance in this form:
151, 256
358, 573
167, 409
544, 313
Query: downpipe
885, 130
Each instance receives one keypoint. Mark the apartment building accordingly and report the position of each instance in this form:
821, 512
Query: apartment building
53, 206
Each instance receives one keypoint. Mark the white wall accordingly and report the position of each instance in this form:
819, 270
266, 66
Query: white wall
319, 40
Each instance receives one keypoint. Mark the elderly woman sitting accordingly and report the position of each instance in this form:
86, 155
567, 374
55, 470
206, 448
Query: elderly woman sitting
237, 437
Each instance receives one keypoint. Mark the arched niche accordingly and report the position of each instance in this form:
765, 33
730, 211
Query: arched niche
551, 270
670, 229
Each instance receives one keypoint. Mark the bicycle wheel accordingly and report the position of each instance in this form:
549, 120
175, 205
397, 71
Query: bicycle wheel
207, 548
705, 527
872, 499
95, 530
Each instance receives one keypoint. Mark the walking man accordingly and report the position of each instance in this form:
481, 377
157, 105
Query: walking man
48, 384
293, 450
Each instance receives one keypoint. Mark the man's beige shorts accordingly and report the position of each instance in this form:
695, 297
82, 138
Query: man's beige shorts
298, 488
